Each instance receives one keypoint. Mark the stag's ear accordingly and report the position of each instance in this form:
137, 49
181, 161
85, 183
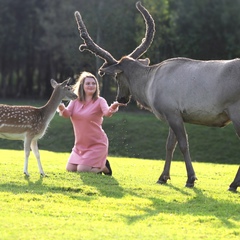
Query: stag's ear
145, 61
111, 70
53, 83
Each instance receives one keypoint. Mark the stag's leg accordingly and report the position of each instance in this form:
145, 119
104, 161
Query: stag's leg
34, 147
170, 147
234, 115
177, 125
236, 182
27, 142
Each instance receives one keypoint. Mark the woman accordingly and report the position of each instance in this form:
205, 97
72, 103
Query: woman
86, 112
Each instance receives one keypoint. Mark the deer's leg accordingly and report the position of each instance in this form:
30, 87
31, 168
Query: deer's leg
27, 142
34, 147
177, 125
170, 147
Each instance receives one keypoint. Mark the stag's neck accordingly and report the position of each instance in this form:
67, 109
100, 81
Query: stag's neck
139, 83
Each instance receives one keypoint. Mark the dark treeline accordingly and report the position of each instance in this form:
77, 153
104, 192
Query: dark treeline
39, 40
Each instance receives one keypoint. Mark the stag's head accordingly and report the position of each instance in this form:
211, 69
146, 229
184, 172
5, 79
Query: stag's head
111, 66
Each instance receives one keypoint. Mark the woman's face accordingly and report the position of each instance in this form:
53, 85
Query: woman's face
90, 86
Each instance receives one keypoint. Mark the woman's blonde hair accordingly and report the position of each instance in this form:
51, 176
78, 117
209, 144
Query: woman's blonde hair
78, 87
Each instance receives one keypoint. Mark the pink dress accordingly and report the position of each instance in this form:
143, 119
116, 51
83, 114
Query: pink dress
91, 142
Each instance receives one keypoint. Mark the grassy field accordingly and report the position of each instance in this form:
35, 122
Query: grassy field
139, 134
129, 205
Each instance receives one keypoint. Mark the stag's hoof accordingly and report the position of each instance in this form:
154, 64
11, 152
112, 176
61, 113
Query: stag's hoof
189, 185
190, 181
232, 189
26, 174
233, 186
161, 182
163, 179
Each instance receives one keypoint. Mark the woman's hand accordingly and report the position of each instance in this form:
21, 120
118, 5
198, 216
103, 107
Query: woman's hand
61, 107
116, 104
114, 107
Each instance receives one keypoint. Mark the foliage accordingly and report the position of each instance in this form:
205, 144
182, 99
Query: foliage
163, 43
39, 40
129, 205
207, 29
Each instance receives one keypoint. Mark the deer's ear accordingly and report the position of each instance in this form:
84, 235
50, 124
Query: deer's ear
66, 82
53, 83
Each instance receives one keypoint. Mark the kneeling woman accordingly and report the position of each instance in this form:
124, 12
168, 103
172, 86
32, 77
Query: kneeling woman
90, 150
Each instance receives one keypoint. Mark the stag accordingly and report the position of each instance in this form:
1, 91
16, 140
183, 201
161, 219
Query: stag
29, 123
177, 91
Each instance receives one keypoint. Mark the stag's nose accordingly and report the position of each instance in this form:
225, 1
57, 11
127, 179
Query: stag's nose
123, 100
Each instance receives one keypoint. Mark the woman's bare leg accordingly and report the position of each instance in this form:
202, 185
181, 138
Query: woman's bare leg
71, 167
105, 170
84, 168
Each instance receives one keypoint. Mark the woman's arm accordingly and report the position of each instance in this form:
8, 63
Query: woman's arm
109, 111
66, 111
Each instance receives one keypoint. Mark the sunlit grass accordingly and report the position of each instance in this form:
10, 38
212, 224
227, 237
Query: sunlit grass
129, 205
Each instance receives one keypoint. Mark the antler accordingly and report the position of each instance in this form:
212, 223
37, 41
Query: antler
89, 43
149, 34
105, 55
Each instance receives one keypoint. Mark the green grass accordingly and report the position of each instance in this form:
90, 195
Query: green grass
141, 135
129, 205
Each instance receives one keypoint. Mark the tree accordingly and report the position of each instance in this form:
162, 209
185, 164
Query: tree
39, 40
162, 46
206, 29
18, 40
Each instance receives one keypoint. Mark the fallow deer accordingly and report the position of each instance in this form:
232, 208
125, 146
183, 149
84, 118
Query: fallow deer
29, 123
176, 90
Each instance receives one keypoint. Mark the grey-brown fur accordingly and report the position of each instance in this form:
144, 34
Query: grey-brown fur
177, 90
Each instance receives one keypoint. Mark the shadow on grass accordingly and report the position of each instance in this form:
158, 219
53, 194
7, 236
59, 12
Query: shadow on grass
33, 187
199, 205
92, 186
88, 187
106, 185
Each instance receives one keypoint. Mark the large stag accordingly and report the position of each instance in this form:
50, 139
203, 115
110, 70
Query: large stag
29, 123
177, 90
